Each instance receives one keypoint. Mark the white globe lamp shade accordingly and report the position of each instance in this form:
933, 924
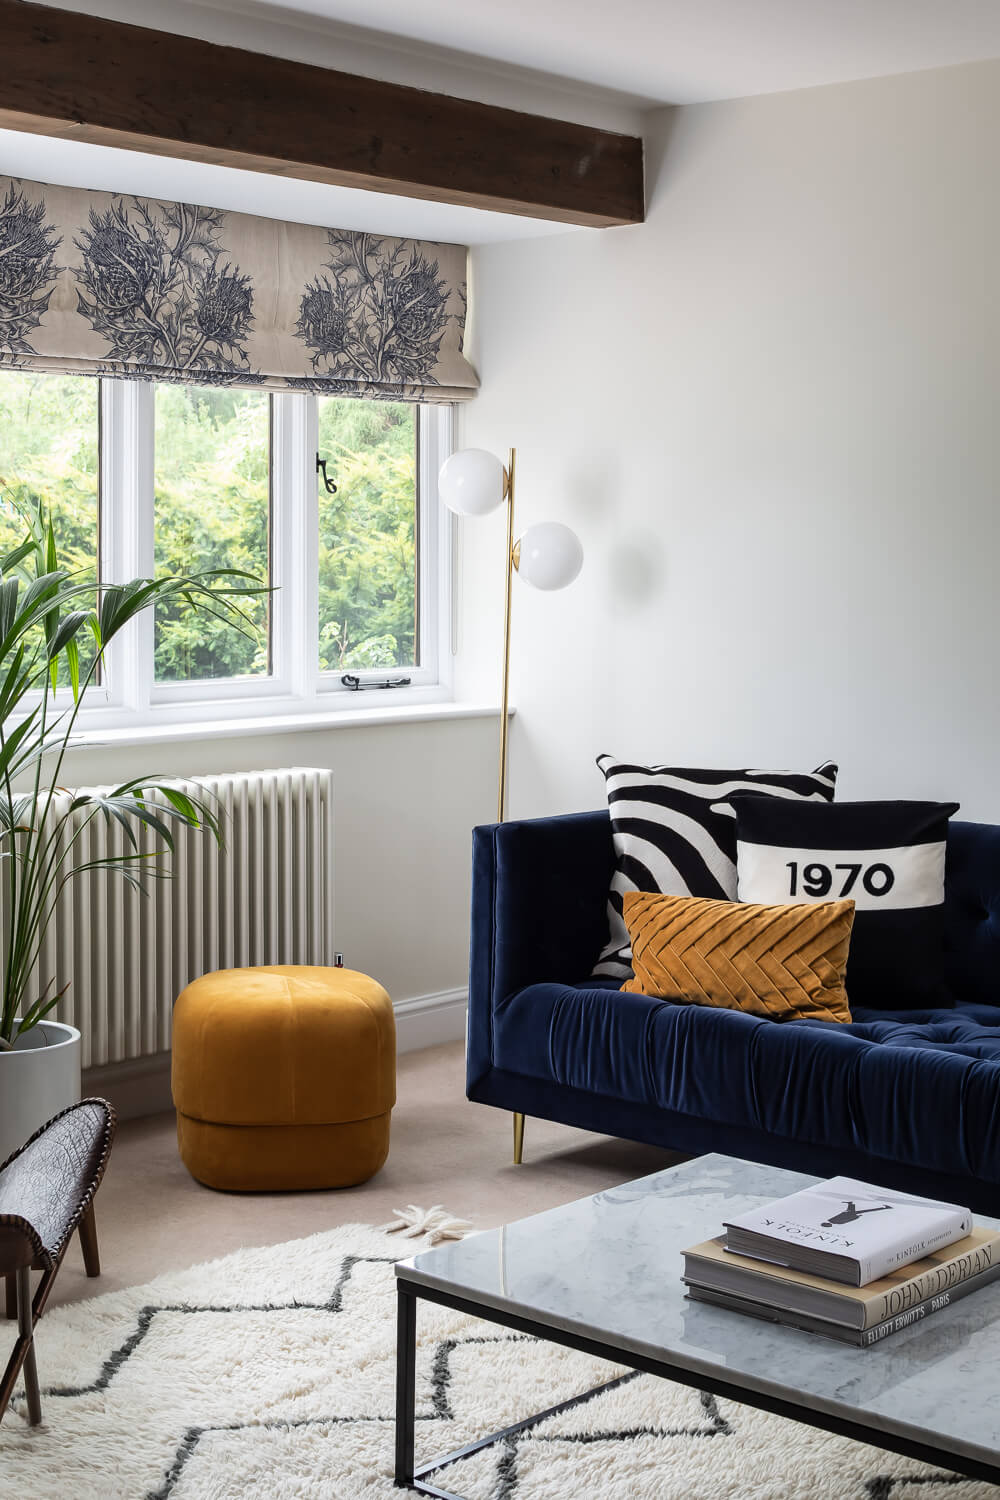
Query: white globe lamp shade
549, 555
471, 482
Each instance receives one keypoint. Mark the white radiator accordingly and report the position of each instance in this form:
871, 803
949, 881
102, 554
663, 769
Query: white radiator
266, 897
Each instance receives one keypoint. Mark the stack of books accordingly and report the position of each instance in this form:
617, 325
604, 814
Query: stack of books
844, 1259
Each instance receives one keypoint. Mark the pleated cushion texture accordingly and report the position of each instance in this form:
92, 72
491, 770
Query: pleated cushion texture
783, 962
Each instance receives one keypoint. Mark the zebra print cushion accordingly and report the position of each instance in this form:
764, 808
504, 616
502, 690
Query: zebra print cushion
674, 832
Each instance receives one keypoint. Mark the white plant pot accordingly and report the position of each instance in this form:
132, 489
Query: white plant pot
38, 1078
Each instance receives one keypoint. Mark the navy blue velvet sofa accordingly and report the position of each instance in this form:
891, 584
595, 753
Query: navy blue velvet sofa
906, 1098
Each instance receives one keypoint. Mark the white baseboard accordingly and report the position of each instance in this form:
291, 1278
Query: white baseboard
429, 1020
141, 1085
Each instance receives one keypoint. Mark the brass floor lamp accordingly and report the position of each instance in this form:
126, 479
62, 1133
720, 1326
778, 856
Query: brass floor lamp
548, 555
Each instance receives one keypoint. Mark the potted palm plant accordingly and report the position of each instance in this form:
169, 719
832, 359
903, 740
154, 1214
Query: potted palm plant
54, 633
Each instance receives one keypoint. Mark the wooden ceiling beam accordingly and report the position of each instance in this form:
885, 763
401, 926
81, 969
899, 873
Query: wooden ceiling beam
112, 84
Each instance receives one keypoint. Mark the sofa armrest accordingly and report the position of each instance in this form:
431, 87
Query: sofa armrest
539, 911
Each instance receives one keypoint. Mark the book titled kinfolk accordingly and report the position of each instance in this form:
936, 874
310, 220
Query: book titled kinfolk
847, 1231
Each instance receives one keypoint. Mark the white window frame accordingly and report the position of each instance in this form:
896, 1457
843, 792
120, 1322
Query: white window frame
131, 699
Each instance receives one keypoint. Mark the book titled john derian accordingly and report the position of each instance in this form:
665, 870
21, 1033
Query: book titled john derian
857, 1315
847, 1231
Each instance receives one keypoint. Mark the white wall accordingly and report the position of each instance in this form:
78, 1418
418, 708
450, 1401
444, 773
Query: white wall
406, 798
771, 414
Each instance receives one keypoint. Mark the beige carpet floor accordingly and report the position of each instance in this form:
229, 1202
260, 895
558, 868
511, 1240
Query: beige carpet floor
153, 1217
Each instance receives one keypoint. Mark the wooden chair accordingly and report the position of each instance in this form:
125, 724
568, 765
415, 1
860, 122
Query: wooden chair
47, 1191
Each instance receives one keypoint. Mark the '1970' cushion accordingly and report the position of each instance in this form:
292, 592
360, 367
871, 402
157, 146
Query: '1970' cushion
887, 857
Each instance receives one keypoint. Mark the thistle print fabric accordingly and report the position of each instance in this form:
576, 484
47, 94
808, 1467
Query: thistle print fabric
155, 285
108, 284
28, 273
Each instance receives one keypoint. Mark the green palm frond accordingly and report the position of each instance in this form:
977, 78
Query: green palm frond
45, 612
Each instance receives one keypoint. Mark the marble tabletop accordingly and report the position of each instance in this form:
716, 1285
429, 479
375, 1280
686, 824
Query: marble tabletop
609, 1267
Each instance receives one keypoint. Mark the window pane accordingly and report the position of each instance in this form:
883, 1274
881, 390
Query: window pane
49, 455
367, 535
212, 510
49, 442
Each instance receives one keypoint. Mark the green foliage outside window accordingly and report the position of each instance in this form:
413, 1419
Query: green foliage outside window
49, 460
367, 538
49, 456
212, 510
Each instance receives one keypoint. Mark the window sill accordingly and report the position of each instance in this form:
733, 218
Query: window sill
233, 729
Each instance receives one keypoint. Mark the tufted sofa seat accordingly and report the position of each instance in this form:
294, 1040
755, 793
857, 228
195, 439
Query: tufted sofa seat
908, 1098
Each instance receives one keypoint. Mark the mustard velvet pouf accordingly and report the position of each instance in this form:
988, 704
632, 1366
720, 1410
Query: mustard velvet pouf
283, 1077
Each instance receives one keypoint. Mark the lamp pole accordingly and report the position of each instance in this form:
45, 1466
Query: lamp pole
508, 489
548, 556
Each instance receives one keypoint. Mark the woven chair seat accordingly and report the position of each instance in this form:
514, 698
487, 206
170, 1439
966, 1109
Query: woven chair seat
46, 1185
47, 1191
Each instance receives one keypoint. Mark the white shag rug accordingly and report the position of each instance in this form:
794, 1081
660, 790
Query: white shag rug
269, 1375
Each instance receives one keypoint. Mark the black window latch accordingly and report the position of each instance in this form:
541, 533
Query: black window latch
357, 686
328, 484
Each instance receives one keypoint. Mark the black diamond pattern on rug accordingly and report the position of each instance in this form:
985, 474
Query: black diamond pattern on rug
641, 1435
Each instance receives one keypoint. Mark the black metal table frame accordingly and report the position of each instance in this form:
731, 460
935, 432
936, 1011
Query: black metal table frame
418, 1480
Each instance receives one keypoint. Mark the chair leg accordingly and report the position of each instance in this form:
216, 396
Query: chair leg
10, 1295
22, 1356
26, 1331
88, 1242
518, 1138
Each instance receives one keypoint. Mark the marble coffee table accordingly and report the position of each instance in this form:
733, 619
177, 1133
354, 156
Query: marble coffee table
603, 1275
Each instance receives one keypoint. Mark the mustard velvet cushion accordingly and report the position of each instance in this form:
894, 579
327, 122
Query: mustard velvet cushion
283, 1077
783, 962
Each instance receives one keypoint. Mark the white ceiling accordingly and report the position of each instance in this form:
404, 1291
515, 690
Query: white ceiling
680, 51
575, 59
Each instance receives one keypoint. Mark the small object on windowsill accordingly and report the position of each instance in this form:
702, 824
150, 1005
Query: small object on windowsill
357, 686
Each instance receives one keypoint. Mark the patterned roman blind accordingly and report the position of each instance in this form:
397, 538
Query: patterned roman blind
108, 284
